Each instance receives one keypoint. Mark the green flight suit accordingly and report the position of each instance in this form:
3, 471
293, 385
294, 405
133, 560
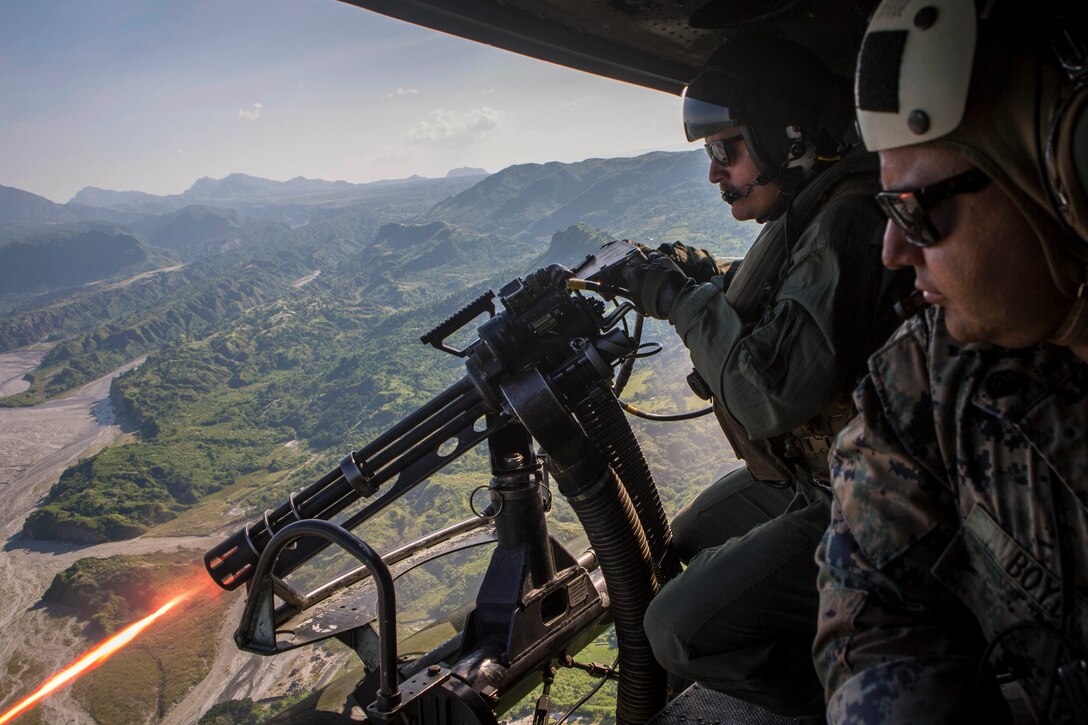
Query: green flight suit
742, 616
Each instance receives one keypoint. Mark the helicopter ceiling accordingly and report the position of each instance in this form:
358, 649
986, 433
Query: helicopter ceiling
658, 44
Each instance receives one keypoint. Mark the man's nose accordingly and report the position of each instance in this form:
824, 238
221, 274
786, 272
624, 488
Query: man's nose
718, 172
898, 252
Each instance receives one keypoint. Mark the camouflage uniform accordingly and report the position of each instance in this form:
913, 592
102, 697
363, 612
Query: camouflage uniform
741, 617
951, 488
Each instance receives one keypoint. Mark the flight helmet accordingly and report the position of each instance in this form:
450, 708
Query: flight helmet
792, 111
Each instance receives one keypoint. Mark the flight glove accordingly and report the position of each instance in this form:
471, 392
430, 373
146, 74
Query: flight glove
698, 264
655, 284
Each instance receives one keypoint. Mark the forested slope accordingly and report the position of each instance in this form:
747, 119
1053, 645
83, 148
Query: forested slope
255, 382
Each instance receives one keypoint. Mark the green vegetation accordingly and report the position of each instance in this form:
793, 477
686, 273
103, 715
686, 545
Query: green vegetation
194, 313
143, 680
571, 685
231, 712
73, 255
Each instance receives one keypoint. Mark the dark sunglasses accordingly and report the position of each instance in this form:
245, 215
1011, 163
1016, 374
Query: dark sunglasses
909, 208
719, 150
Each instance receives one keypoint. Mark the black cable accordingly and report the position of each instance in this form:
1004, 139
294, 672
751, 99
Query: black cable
988, 653
666, 417
624, 375
651, 349
1066, 577
629, 361
591, 693
1063, 641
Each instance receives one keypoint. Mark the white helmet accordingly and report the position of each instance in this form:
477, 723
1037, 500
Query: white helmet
914, 71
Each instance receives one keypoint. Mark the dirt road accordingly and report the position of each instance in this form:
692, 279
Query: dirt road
36, 445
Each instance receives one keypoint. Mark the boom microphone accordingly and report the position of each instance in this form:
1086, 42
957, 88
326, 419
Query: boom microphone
736, 194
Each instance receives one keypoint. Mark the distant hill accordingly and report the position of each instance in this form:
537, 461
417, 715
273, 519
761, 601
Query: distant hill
407, 263
570, 245
17, 205
242, 187
236, 186
24, 215
72, 255
465, 171
193, 225
93, 196
296, 200
664, 196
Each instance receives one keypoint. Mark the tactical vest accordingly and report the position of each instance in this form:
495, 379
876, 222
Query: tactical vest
801, 453
798, 454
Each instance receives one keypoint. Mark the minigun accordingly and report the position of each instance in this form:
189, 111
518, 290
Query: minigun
539, 374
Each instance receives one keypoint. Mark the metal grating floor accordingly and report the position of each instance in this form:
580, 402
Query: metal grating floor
700, 706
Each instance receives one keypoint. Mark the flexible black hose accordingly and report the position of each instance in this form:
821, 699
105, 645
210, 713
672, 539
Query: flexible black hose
608, 516
602, 417
666, 417
584, 478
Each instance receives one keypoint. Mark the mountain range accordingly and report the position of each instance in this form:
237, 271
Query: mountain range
238, 302
659, 193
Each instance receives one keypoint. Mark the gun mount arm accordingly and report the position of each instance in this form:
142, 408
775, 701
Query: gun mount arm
410, 450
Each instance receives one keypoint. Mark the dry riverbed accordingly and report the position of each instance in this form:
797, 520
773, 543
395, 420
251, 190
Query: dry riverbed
36, 445
14, 365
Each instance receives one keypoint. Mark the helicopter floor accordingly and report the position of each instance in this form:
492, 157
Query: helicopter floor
699, 706
694, 706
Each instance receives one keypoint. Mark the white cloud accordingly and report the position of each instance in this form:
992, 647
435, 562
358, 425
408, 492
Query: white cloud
251, 115
402, 92
441, 125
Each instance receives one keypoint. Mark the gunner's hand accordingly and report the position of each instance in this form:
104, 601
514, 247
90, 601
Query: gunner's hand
696, 263
655, 284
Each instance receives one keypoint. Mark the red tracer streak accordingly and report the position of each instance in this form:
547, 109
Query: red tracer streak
91, 659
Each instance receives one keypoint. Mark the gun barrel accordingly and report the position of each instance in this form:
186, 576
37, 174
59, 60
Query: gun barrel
232, 562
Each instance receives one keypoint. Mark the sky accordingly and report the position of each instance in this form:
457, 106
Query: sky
150, 95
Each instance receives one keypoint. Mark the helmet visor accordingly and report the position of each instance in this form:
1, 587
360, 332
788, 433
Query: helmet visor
702, 119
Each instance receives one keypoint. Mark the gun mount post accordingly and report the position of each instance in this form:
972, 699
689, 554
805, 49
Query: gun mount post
535, 596
519, 508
